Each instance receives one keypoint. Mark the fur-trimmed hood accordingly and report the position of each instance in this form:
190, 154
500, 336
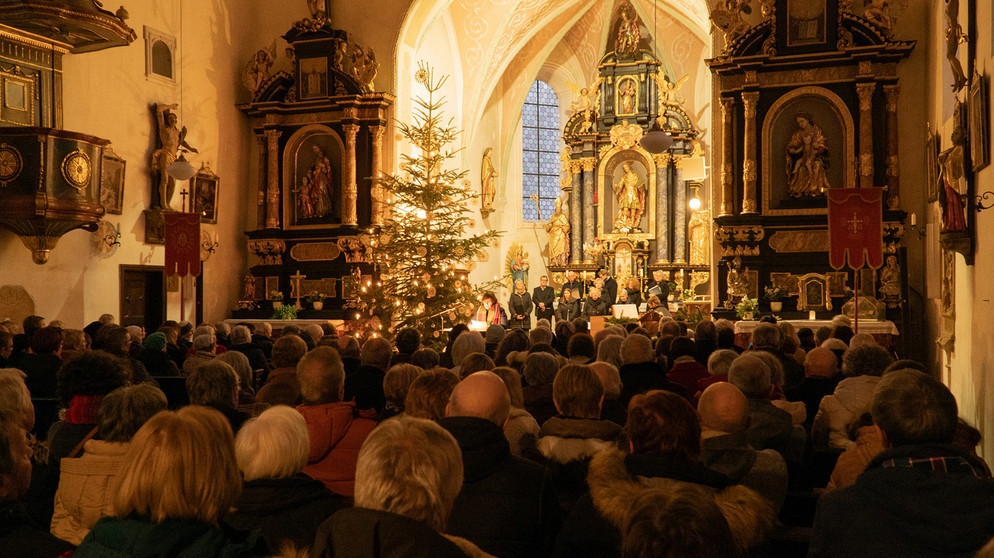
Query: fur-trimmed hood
614, 491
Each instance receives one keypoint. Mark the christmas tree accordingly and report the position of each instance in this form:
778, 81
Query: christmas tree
422, 253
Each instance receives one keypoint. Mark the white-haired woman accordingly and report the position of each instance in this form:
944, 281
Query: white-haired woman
277, 498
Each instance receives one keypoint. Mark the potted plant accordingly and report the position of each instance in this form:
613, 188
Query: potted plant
747, 308
775, 295
284, 312
315, 299
277, 298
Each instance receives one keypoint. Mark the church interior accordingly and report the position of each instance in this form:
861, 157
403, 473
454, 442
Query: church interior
287, 112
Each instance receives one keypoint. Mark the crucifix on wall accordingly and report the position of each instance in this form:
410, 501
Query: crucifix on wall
295, 288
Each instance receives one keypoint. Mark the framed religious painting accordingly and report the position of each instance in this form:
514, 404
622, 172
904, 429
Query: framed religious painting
980, 145
313, 78
112, 182
203, 195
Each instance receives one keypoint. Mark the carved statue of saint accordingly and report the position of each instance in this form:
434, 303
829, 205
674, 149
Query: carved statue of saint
316, 187
807, 159
558, 228
257, 70
698, 237
951, 172
627, 94
488, 183
627, 42
249, 287
954, 36
738, 283
890, 278
317, 9
171, 138
629, 190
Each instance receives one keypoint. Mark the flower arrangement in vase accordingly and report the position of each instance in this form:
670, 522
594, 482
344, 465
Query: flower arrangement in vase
775, 295
747, 308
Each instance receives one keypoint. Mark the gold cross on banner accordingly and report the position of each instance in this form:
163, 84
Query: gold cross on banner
855, 223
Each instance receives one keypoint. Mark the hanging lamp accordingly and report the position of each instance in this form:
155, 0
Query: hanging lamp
655, 140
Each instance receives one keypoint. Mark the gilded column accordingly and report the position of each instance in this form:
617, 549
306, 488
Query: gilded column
377, 193
260, 201
865, 92
749, 101
589, 232
349, 179
663, 221
893, 169
575, 214
727, 157
679, 214
273, 179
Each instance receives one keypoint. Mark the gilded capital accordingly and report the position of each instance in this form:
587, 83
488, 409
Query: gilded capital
865, 92
588, 163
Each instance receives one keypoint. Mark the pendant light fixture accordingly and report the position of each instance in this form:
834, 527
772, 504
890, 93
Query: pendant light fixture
655, 140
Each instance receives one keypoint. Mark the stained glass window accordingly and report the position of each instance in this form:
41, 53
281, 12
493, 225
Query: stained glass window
541, 142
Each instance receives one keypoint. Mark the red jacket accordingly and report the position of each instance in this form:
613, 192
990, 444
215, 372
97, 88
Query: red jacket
336, 431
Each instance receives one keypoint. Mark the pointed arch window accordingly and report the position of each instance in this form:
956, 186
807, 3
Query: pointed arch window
541, 141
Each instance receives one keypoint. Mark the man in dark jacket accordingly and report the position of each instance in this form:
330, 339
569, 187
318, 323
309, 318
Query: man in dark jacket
920, 496
241, 341
505, 506
769, 426
768, 337
543, 296
640, 372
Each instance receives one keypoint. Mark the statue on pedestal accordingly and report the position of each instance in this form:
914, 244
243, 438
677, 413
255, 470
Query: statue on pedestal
171, 139
629, 190
558, 228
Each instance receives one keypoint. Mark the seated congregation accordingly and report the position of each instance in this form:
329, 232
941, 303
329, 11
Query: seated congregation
219, 441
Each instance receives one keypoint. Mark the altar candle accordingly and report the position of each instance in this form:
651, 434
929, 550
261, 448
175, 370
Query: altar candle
914, 219
811, 315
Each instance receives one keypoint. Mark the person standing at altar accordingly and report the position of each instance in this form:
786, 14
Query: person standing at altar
573, 283
520, 307
569, 306
610, 291
543, 297
490, 311
594, 305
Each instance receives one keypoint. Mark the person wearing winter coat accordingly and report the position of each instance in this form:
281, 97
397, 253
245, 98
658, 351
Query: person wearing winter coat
659, 458
862, 368
336, 429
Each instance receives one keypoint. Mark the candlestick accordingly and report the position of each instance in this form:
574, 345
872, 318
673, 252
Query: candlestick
811, 315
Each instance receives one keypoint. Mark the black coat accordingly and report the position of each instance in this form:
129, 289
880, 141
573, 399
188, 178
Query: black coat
41, 370
289, 509
568, 311
506, 505
610, 290
20, 537
546, 295
641, 377
593, 307
158, 363
900, 511
257, 361
366, 533
519, 304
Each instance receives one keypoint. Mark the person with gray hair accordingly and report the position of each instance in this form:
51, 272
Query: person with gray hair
609, 349
540, 334
724, 413
521, 427
468, 342
262, 335
862, 367
336, 427
409, 474
935, 500
204, 350
241, 341
718, 364
15, 397
504, 504
222, 331
769, 426
277, 498
640, 372
84, 493
215, 384
769, 338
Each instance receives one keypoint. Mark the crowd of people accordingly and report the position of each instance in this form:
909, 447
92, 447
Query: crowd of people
521, 441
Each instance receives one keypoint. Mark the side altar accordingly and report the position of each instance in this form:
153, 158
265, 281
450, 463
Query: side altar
319, 126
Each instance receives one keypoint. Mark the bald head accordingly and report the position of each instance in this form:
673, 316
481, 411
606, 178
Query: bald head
724, 408
821, 363
482, 395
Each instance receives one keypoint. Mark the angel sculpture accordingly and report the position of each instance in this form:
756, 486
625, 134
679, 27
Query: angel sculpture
256, 72
364, 66
586, 102
727, 16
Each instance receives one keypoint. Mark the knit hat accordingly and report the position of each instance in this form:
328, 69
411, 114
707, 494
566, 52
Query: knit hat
155, 341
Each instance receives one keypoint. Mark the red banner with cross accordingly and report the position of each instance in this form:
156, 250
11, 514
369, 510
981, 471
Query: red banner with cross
182, 238
855, 228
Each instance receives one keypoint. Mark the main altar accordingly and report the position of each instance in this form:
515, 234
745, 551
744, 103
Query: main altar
625, 208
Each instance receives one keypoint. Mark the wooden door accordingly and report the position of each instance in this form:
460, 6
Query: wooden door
142, 295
